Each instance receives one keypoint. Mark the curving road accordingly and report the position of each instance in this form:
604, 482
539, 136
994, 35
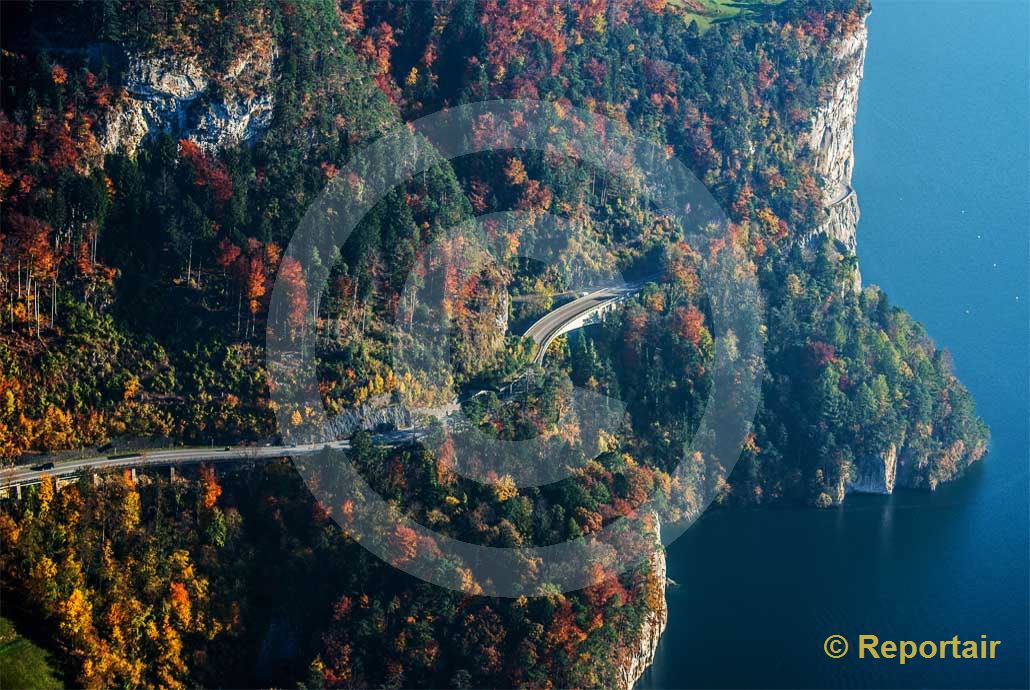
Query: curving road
572, 315
561, 320
841, 194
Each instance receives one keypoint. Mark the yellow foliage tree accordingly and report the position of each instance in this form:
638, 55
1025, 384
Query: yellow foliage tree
505, 488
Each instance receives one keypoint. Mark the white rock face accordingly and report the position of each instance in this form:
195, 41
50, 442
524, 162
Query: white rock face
177, 96
227, 124
654, 623
877, 475
833, 123
832, 143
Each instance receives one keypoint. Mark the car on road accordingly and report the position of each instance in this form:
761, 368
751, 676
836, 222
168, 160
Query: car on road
43, 466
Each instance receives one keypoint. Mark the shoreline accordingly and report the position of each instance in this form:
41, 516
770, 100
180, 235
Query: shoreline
832, 141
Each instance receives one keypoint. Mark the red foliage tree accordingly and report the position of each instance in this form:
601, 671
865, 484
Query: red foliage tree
291, 273
818, 354
209, 487
689, 322
403, 545
228, 253
207, 171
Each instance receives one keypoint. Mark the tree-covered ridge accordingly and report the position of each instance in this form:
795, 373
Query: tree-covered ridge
243, 580
849, 380
197, 234
200, 232
75, 222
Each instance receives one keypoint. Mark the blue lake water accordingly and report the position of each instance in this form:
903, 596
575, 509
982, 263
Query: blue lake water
943, 178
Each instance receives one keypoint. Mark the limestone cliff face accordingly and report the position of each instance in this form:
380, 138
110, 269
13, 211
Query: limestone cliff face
904, 461
178, 96
832, 145
910, 464
645, 642
877, 474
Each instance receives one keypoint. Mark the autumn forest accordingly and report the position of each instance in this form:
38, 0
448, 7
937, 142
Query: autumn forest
157, 157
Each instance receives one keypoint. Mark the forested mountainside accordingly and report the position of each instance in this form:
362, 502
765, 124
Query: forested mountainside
155, 159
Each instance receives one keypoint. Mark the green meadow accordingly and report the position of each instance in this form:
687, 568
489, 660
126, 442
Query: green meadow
709, 12
22, 663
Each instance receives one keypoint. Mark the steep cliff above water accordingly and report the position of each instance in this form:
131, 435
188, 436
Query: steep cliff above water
901, 461
832, 144
643, 652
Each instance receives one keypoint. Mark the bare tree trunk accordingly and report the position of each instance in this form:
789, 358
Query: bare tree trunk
314, 318
354, 299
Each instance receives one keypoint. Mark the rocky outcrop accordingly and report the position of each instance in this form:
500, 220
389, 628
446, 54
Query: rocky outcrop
914, 465
647, 637
920, 467
878, 474
832, 145
364, 418
178, 96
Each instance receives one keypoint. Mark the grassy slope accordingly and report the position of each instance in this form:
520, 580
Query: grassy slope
22, 663
708, 12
